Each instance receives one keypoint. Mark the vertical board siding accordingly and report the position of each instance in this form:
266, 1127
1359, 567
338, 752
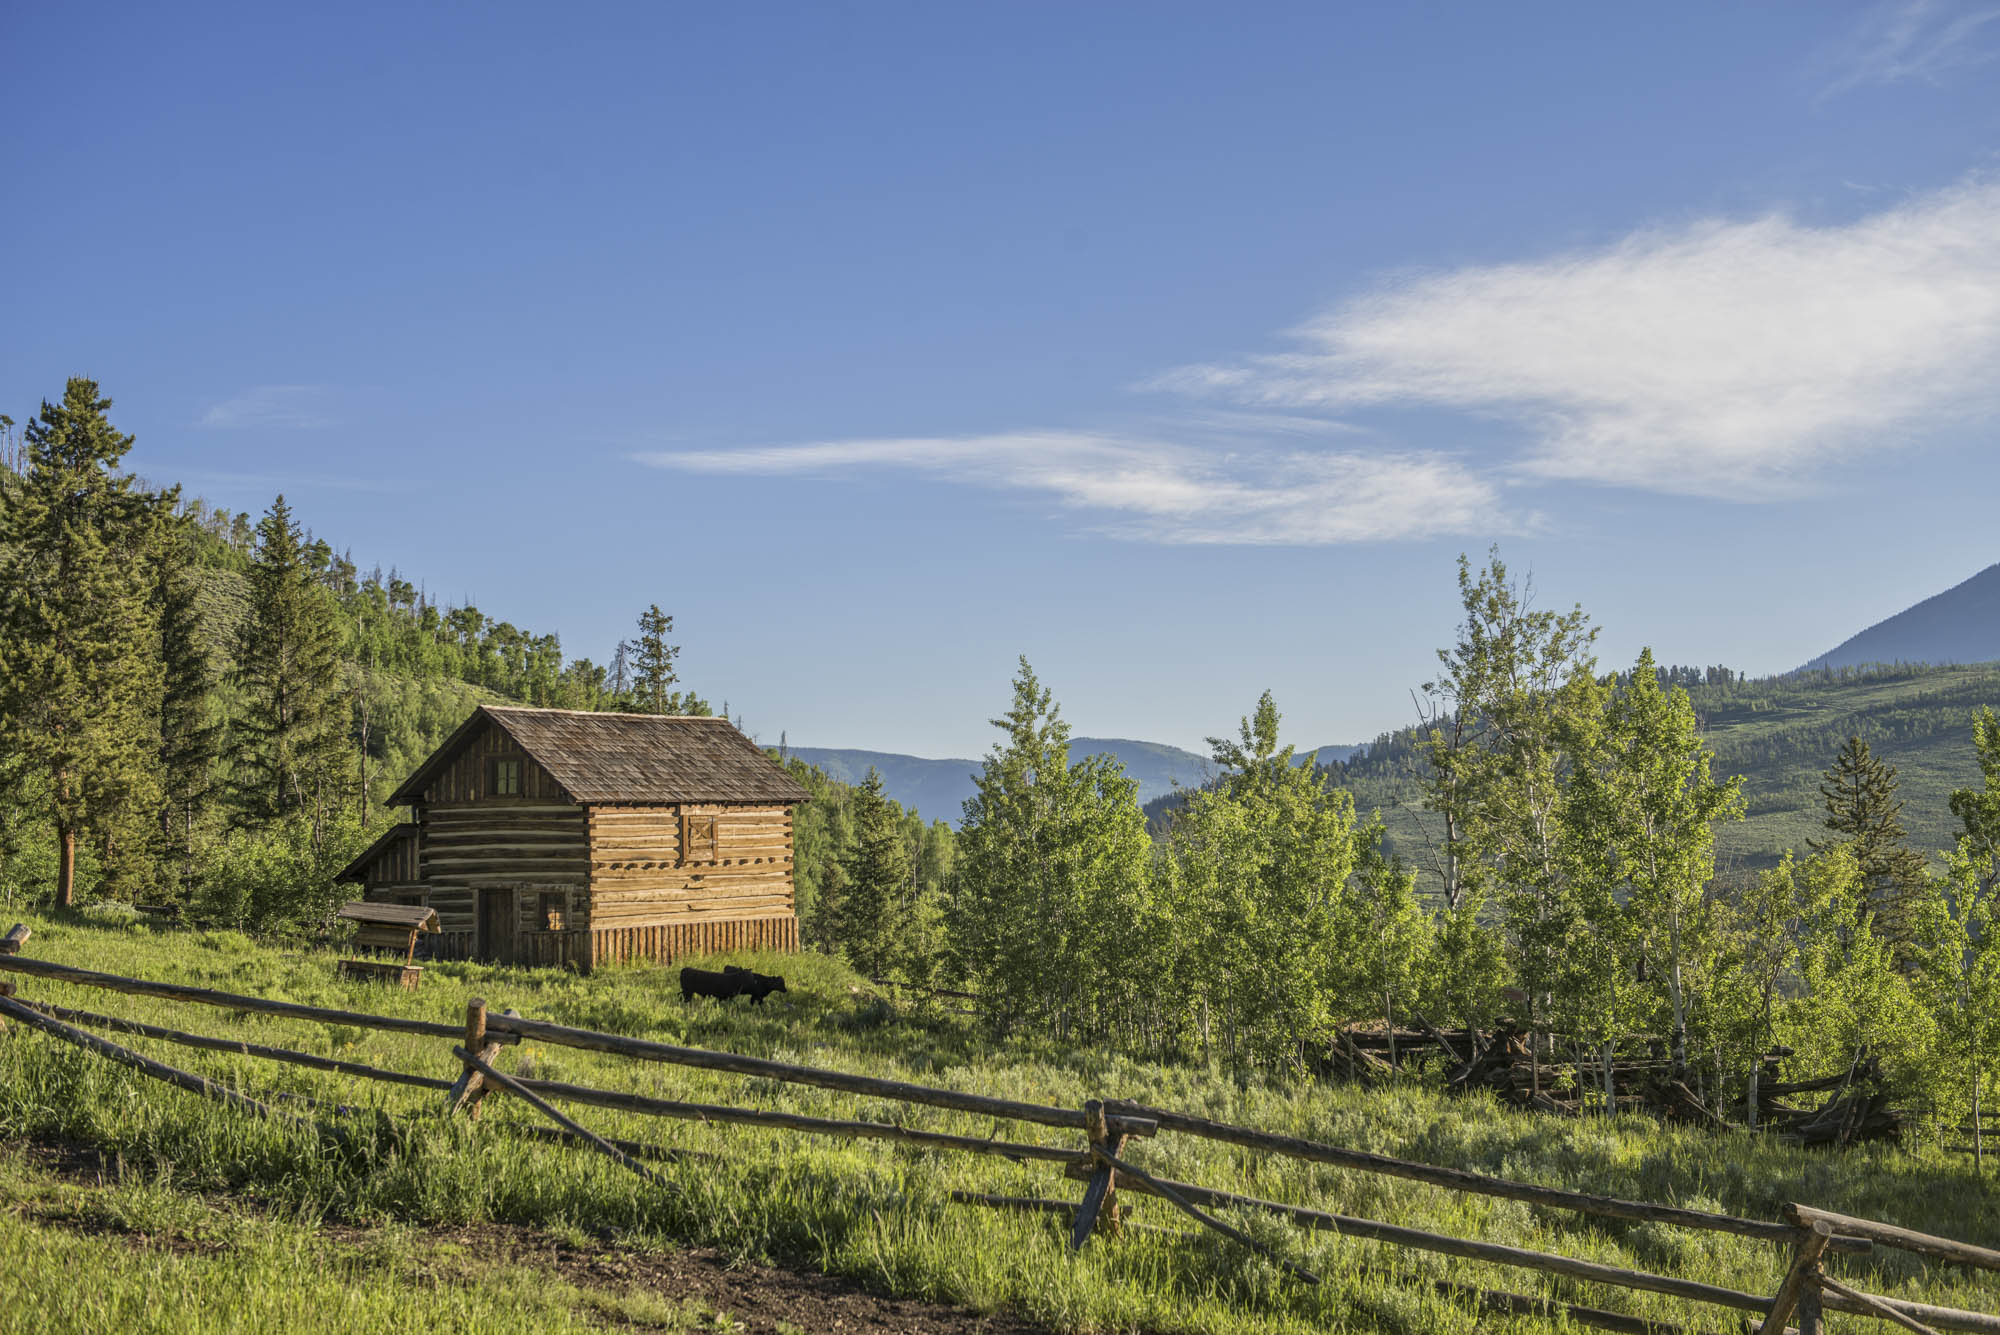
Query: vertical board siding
671, 941
394, 865
465, 779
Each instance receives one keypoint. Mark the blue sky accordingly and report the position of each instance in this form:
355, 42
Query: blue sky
1181, 348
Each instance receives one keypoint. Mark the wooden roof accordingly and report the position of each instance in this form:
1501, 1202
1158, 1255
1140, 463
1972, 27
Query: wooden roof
415, 917
610, 758
358, 869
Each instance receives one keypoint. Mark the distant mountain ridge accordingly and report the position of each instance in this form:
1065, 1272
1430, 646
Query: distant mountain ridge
937, 789
1960, 625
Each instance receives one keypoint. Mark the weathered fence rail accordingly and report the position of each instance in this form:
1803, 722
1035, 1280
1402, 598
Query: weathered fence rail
1102, 1161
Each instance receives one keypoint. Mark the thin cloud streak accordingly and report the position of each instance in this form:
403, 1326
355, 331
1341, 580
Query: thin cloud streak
1726, 359
280, 407
1159, 491
1915, 39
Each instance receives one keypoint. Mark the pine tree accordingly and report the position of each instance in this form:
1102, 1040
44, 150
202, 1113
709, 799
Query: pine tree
653, 663
878, 881
1978, 809
288, 664
1053, 858
1862, 811
189, 730
79, 668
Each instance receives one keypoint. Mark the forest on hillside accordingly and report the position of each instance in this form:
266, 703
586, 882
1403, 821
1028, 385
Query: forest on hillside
1779, 733
200, 711
266, 693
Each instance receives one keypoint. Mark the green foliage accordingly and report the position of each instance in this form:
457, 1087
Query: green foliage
652, 657
1264, 935
1862, 810
1779, 733
904, 932
879, 891
1978, 809
1644, 807
1052, 867
278, 877
79, 669
190, 726
295, 756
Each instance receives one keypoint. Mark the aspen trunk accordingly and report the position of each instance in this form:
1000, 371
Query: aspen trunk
1978, 1145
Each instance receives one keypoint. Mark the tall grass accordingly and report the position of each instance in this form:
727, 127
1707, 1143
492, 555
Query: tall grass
881, 1212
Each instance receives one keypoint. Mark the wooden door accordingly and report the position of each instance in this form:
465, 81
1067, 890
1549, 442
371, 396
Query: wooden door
496, 940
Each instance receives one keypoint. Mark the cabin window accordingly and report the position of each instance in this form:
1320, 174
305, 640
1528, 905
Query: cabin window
697, 839
554, 905
506, 777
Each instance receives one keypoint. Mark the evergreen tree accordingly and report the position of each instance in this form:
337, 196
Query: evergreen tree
1263, 914
1978, 809
79, 667
1052, 863
653, 663
294, 711
1862, 811
190, 732
877, 864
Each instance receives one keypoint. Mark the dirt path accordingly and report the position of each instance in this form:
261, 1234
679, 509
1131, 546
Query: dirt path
758, 1299
767, 1300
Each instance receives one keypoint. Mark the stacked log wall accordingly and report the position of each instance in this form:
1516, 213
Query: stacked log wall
647, 903
473, 837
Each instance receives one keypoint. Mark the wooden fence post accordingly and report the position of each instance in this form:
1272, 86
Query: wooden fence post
1801, 1279
11, 944
1809, 1317
1098, 1211
470, 1087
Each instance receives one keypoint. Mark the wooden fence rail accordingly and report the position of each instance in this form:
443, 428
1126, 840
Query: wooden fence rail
1102, 1162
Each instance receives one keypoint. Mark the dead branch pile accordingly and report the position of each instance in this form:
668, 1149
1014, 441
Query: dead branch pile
1501, 1060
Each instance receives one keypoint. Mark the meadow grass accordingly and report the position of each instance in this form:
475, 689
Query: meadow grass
138, 1255
881, 1212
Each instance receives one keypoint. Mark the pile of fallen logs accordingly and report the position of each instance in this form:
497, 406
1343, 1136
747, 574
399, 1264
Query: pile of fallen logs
1501, 1061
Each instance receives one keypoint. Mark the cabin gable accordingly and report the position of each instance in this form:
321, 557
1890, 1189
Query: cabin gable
491, 767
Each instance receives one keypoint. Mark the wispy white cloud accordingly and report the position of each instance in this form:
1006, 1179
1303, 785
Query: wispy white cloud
1924, 40
1170, 492
1723, 358
283, 407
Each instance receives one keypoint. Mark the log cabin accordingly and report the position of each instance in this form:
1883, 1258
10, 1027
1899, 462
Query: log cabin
564, 837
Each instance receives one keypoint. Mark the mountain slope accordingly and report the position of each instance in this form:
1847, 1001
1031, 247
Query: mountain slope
937, 789
1780, 734
1960, 625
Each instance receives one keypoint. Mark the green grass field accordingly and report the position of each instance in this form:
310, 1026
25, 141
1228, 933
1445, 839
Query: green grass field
297, 1233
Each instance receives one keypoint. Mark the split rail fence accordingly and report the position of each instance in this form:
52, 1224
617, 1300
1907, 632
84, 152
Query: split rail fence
1101, 1163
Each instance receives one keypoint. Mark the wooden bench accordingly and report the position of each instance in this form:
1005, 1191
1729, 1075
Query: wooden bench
390, 927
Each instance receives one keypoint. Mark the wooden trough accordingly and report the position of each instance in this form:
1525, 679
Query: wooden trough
392, 928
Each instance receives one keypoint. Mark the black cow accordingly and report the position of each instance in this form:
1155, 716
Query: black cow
733, 981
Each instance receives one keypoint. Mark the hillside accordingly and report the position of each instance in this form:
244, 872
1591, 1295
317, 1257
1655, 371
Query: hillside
1780, 733
937, 789
1960, 625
